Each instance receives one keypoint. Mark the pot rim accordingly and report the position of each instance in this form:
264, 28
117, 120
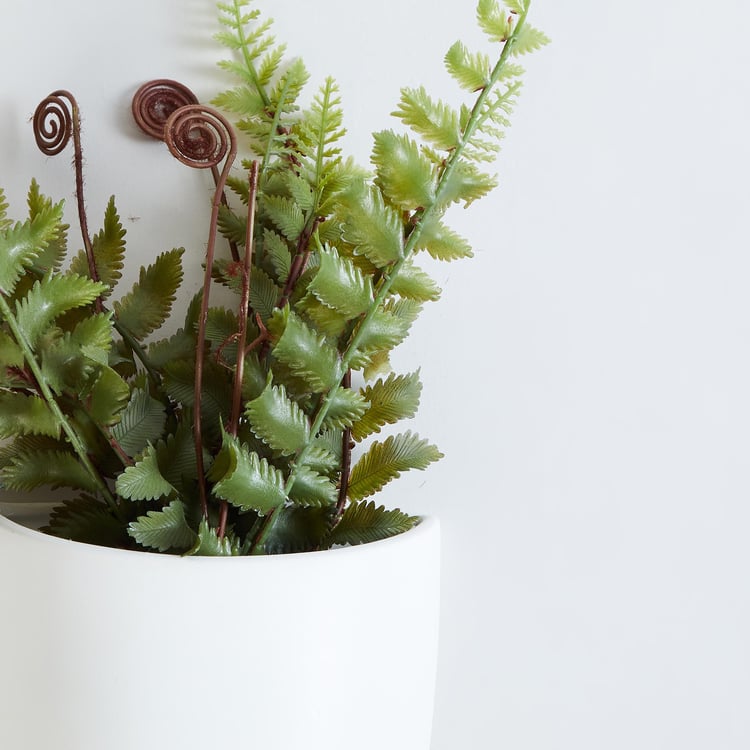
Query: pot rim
426, 525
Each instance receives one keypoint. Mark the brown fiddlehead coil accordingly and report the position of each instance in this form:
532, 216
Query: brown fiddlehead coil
155, 101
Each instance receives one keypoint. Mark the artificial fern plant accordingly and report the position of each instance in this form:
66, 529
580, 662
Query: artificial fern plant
235, 434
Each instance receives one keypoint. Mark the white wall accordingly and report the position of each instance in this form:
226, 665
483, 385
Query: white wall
586, 374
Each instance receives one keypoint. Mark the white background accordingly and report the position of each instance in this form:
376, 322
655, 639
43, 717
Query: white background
586, 373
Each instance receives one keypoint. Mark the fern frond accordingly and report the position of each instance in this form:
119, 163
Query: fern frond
412, 282
442, 243
277, 420
264, 293
386, 460
435, 121
406, 177
362, 523
86, 519
345, 408
471, 70
297, 529
25, 415
389, 401
108, 398
29, 469
286, 215
209, 544
493, 19
148, 304
339, 284
51, 258
108, 246
529, 39
384, 330
144, 480
277, 251
164, 530
141, 422
311, 489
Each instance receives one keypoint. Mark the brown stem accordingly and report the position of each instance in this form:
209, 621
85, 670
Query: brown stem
56, 120
300, 261
201, 138
242, 327
346, 458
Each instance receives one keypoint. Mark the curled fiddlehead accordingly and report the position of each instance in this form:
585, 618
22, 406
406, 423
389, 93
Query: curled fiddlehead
56, 120
201, 138
155, 101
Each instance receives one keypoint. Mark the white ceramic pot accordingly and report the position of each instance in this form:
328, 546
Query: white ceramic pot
106, 649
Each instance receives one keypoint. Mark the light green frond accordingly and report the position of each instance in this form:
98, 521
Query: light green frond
339, 284
277, 251
209, 544
108, 397
405, 175
435, 121
471, 70
385, 329
529, 40
53, 255
345, 409
386, 460
286, 215
493, 18
264, 293
413, 283
465, 185
442, 243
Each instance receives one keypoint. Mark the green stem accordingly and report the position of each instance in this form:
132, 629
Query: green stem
73, 438
245, 47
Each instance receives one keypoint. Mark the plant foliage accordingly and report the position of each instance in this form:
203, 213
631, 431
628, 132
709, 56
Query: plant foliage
243, 432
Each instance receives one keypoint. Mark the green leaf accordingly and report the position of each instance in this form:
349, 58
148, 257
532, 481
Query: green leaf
471, 70
363, 523
29, 469
373, 228
406, 177
390, 400
386, 460
208, 543
144, 480
50, 298
435, 121
108, 398
53, 255
345, 408
86, 519
246, 480
385, 329
528, 40
176, 456
306, 353
5, 222
164, 530
23, 243
148, 304
25, 415
465, 183
263, 292
286, 215
277, 251
297, 529
339, 284
493, 19
442, 243
278, 421
141, 422
108, 246
312, 489
413, 283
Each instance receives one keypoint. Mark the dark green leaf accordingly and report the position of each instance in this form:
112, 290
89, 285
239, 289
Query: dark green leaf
363, 523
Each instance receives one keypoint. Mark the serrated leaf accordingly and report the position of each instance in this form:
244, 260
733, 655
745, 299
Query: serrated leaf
339, 284
413, 283
263, 292
442, 243
286, 215
344, 409
465, 184
493, 19
278, 421
108, 398
386, 460
434, 120
22, 243
52, 468
390, 400
246, 480
362, 523
148, 304
471, 70
529, 39
373, 228
144, 480
208, 543
164, 530
51, 297
52, 256
108, 247
181, 345
86, 519
176, 455
307, 354
141, 422
277, 251
406, 177
25, 415
312, 489
297, 529
384, 330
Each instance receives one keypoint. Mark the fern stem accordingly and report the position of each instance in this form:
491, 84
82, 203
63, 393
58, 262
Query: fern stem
391, 274
73, 438
247, 59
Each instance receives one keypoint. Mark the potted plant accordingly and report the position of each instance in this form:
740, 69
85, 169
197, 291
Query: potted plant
233, 436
